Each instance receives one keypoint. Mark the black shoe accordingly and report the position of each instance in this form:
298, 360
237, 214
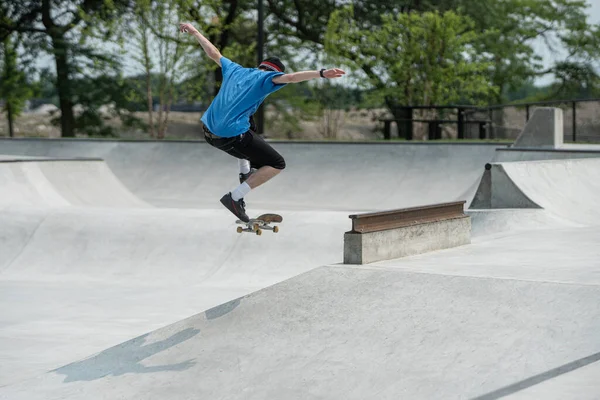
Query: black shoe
244, 177
238, 208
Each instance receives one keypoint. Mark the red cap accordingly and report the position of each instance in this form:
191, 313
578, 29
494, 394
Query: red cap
270, 66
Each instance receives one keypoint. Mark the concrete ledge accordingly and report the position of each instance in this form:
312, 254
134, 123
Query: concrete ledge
417, 238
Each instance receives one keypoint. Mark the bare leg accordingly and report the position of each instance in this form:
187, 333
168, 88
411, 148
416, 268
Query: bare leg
262, 175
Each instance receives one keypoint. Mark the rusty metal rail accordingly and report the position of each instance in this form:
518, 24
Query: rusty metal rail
384, 220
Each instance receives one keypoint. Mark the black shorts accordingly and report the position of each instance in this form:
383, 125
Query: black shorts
247, 146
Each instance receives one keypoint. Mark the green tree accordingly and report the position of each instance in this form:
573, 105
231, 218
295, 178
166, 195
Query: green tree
142, 37
64, 29
15, 88
514, 34
230, 25
307, 20
159, 47
415, 58
515, 28
574, 80
526, 92
101, 99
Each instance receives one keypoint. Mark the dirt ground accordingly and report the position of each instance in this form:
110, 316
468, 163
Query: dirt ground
353, 125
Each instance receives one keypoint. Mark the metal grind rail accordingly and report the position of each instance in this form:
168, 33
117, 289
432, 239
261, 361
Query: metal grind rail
384, 220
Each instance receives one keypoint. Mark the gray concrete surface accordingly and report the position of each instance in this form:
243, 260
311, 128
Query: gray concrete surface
5, 158
568, 189
78, 280
365, 248
462, 323
498, 190
58, 235
544, 129
347, 177
565, 152
63, 183
499, 222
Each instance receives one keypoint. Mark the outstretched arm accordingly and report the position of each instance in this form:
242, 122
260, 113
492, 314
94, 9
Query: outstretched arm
308, 75
211, 51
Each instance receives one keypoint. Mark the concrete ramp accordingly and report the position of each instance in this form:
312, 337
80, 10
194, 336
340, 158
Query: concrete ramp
543, 130
319, 176
163, 246
348, 333
568, 189
57, 183
78, 241
76, 280
486, 223
86, 264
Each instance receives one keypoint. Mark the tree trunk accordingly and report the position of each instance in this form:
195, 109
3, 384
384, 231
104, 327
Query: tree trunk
148, 68
161, 99
405, 127
170, 90
150, 103
9, 111
63, 84
168, 106
9, 67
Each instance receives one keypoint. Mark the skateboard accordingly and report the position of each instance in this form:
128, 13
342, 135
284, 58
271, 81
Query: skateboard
260, 223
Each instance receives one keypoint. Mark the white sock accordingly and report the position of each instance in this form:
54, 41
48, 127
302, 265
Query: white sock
241, 191
244, 166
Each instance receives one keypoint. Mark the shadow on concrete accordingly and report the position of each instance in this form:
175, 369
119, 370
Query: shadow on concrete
537, 379
126, 358
223, 309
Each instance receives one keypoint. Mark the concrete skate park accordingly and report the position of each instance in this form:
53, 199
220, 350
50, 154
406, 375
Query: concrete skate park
123, 277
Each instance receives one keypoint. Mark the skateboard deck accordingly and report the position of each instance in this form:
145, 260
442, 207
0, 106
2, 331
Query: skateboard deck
260, 223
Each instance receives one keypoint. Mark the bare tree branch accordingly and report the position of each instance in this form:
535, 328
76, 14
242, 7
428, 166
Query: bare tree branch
46, 18
304, 33
23, 25
536, 34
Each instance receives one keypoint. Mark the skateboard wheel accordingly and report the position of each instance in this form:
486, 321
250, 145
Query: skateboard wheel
240, 229
258, 232
275, 229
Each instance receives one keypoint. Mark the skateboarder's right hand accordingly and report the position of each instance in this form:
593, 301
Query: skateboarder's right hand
187, 28
207, 46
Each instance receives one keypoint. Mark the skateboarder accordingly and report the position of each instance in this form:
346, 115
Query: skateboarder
227, 122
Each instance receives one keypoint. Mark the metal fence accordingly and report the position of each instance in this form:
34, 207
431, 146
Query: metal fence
581, 119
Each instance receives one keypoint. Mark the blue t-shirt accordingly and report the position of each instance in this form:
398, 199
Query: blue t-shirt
241, 93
